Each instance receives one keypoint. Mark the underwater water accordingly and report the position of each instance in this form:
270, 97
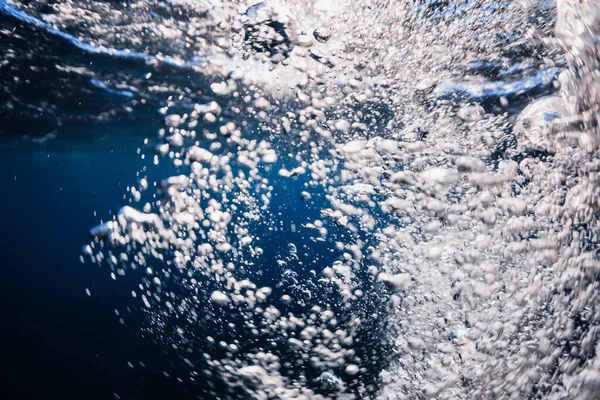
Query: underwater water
365, 199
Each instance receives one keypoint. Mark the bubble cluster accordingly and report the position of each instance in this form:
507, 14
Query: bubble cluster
373, 199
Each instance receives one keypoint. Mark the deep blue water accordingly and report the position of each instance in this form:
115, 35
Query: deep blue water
57, 341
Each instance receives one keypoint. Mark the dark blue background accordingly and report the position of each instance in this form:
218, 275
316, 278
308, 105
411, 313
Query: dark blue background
57, 341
